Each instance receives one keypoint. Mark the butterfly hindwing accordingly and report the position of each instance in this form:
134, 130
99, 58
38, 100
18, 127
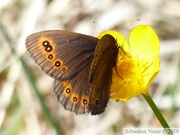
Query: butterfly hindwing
61, 54
74, 93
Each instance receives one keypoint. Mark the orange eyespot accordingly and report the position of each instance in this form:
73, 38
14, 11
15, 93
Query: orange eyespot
64, 69
48, 48
45, 43
68, 90
84, 100
75, 98
57, 63
50, 57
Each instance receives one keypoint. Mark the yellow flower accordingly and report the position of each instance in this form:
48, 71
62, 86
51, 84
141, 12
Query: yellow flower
137, 62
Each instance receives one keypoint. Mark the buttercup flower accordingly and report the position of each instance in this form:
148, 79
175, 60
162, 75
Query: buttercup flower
137, 62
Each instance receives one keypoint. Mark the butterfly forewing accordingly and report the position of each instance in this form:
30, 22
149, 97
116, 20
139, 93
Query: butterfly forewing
101, 73
61, 54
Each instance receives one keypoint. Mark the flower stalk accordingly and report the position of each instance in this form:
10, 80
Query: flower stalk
156, 110
157, 113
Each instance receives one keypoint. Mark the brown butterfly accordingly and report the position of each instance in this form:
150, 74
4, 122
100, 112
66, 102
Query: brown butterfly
80, 64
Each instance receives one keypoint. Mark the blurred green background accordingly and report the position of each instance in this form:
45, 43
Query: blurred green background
28, 105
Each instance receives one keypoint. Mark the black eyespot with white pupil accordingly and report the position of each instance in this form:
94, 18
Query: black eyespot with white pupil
85, 102
45, 43
57, 64
68, 90
63, 69
50, 56
97, 102
75, 99
48, 48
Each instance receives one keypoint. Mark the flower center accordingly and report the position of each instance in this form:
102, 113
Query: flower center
131, 69
126, 69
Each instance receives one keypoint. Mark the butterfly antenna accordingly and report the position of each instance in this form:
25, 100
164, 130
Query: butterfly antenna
125, 29
129, 25
97, 25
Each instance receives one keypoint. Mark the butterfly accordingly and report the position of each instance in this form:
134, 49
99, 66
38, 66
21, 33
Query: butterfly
81, 66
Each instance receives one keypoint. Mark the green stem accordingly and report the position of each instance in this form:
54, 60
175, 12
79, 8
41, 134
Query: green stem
157, 113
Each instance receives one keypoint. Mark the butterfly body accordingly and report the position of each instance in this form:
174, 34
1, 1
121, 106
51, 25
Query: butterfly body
80, 64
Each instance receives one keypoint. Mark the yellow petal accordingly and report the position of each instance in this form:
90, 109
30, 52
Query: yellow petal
126, 91
144, 42
151, 72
